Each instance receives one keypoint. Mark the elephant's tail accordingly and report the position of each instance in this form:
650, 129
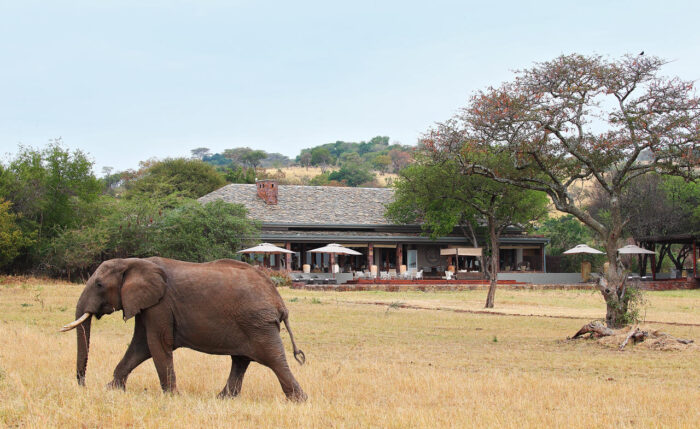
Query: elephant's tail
298, 354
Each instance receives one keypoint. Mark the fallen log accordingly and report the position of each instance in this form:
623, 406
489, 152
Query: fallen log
636, 335
596, 329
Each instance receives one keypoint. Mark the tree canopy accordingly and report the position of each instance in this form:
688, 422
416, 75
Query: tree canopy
579, 118
435, 193
186, 178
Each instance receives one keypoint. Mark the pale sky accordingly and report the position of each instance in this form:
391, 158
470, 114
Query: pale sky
129, 80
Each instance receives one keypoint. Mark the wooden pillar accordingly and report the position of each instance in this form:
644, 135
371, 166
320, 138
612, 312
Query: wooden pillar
370, 256
399, 256
653, 266
331, 262
288, 257
544, 259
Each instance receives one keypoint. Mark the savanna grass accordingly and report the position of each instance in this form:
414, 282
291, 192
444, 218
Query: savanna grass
367, 366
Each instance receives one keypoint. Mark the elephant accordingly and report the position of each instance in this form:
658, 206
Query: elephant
224, 307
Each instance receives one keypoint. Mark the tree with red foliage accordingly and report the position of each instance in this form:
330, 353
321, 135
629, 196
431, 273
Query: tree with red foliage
579, 118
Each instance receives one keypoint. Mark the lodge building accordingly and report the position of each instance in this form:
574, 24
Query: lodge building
301, 218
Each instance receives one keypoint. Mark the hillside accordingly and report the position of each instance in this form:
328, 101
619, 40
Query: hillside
296, 175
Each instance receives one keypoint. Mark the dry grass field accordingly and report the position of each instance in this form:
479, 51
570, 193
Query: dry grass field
368, 365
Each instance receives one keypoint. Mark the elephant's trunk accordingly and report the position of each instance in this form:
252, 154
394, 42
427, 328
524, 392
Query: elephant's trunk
83, 337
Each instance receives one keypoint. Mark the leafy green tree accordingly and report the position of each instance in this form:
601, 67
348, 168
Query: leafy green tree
245, 156
253, 158
200, 152
324, 179
581, 118
77, 250
564, 233
438, 194
382, 163
199, 233
276, 160
352, 174
322, 157
48, 189
305, 158
178, 177
12, 239
217, 160
238, 174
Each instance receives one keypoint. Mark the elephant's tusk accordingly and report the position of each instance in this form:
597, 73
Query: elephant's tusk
72, 325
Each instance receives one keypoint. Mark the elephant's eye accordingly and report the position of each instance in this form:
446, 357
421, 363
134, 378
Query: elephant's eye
99, 284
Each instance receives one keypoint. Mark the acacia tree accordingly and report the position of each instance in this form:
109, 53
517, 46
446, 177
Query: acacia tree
434, 192
581, 118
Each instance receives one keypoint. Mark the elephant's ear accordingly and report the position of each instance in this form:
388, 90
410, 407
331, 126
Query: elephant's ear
143, 286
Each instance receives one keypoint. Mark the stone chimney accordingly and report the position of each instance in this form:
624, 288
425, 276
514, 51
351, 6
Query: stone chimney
267, 190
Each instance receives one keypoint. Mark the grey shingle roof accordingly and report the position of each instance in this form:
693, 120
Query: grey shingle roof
311, 205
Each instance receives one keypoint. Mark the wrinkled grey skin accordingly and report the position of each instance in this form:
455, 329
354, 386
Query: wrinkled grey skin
223, 307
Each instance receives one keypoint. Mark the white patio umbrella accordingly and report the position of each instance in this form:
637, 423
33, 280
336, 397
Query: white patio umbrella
631, 249
582, 248
266, 248
335, 249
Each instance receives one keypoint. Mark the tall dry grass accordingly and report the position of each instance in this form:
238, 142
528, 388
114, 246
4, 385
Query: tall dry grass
367, 366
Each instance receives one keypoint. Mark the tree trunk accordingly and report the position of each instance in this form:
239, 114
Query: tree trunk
612, 285
613, 288
490, 297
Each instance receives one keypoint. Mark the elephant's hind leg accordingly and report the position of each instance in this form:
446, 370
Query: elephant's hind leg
271, 354
136, 353
239, 365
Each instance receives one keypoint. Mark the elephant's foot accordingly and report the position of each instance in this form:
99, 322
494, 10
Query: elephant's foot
297, 396
227, 393
117, 384
171, 390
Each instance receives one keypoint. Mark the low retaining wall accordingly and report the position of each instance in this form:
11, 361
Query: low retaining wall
542, 278
675, 284
435, 287
457, 286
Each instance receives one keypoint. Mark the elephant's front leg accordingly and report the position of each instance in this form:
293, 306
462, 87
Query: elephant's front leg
239, 364
160, 343
136, 353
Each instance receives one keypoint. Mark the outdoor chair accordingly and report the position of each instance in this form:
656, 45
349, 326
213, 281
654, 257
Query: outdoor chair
392, 273
384, 275
419, 275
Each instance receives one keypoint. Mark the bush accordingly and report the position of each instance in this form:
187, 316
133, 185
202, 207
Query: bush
198, 233
352, 174
187, 178
12, 239
189, 232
